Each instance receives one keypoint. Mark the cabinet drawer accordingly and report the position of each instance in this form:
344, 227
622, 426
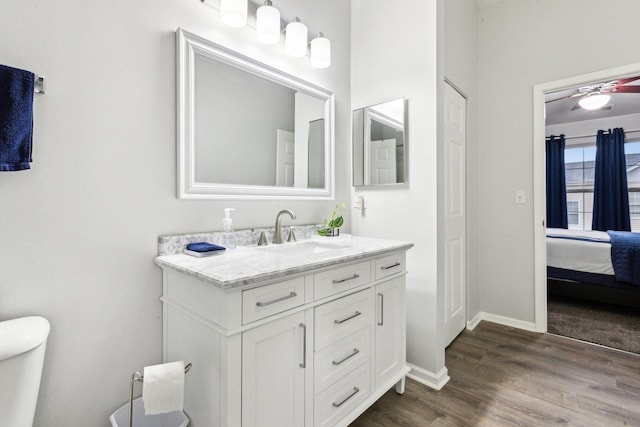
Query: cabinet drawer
344, 316
268, 300
388, 265
339, 399
340, 279
337, 360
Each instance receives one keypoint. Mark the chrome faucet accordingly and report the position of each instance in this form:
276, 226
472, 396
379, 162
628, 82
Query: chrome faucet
277, 237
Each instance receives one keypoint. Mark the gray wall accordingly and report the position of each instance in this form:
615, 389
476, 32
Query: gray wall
78, 231
521, 44
236, 121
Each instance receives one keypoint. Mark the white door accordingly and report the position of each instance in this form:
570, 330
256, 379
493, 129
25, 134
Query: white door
381, 165
285, 158
455, 223
273, 373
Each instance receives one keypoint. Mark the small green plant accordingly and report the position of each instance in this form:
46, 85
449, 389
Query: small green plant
336, 221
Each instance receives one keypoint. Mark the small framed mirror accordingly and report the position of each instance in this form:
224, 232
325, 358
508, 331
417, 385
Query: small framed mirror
247, 130
380, 144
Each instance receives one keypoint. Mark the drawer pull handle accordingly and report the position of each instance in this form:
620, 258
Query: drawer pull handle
387, 267
344, 359
273, 301
356, 314
303, 365
353, 393
337, 282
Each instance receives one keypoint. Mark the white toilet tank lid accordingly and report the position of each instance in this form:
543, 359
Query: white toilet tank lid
21, 335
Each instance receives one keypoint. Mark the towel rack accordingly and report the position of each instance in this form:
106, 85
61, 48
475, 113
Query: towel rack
140, 378
40, 84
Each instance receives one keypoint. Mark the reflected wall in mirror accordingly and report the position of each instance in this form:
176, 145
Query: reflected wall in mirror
248, 130
379, 144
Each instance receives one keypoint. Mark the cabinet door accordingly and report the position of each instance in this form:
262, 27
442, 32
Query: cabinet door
390, 337
273, 373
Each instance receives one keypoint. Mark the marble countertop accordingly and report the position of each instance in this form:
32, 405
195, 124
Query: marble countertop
249, 264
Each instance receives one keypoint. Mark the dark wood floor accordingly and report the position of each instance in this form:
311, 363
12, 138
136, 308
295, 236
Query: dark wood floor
502, 376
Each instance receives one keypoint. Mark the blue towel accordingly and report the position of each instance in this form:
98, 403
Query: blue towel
204, 247
625, 256
16, 118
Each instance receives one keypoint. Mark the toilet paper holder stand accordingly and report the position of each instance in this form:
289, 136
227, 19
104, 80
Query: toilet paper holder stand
138, 377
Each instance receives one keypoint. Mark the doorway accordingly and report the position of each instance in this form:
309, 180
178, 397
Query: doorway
539, 184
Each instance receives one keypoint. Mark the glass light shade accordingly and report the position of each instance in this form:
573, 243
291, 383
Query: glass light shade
234, 12
295, 42
320, 52
594, 102
268, 24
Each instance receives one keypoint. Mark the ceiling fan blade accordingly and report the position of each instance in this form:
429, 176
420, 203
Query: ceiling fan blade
558, 99
628, 89
627, 80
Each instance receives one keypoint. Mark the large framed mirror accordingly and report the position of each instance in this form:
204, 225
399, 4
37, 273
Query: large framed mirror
380, 144
247, 130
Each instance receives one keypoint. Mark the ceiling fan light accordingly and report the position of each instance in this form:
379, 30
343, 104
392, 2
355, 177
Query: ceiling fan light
594, 102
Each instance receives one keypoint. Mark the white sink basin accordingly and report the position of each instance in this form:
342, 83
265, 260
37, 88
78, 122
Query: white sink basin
302, 249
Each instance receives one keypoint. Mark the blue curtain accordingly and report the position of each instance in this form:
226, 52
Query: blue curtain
556, 185
610, 191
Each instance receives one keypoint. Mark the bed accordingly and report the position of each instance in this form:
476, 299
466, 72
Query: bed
595, 265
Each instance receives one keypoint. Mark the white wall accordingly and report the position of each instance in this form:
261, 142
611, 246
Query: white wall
628, 122
78, 231
405, 34
461, 70
521, 44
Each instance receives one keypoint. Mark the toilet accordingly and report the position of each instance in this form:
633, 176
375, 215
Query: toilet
22, 348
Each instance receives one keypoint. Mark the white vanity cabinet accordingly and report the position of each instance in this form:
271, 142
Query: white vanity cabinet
315, 347
273, 373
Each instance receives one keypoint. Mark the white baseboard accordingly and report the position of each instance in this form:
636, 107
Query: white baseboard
501, 320
471, 324
434, 380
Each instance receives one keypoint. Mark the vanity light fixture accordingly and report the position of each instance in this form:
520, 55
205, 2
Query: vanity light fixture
266, 20
595, 101
268, 24
234, 12
320, 52
295, 42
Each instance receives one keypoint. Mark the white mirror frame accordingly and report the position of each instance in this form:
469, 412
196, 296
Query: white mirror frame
188, 46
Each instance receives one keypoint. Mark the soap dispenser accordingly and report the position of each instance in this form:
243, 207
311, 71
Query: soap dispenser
228, 238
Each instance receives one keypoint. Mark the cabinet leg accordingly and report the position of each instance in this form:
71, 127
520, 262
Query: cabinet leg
400, 386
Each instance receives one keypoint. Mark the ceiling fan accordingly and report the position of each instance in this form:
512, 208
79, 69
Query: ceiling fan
599, 92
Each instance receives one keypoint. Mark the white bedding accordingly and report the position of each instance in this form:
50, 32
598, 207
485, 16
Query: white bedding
588, 251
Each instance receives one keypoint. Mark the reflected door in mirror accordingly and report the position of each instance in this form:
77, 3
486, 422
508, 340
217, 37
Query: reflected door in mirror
379, 144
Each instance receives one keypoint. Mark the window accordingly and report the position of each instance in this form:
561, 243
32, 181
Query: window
632, 154
573, 211
579, 166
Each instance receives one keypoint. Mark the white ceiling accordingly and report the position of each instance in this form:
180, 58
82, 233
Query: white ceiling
560, 111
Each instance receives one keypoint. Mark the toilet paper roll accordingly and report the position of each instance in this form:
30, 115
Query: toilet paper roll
163, 388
